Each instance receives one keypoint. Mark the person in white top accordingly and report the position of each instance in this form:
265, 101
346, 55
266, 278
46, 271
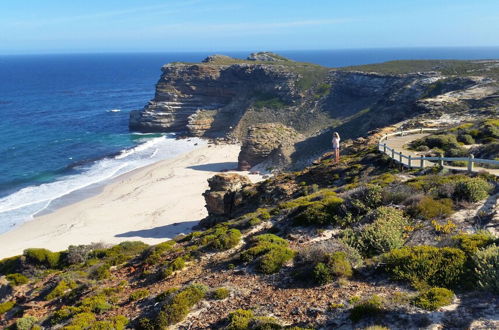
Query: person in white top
336, 147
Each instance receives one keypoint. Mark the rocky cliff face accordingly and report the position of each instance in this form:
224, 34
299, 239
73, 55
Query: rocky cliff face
209, 98
225, 97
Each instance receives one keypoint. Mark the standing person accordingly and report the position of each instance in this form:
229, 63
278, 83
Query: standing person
336, 147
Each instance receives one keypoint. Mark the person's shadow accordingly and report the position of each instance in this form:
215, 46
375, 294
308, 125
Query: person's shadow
167, 231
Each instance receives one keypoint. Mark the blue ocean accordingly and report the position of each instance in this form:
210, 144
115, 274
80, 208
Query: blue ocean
64, 118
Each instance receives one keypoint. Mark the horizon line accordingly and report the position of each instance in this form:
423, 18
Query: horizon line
108, 52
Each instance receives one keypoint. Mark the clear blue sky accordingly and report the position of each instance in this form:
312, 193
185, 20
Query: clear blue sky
60, 26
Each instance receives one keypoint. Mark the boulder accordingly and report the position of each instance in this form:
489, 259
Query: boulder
223, 196
271, 142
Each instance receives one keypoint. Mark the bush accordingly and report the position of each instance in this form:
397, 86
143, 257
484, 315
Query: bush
97, 304
17, 279
220, 293
384, 234
221, 238
139, 294
154, 253
367, 308
434, 298
120, 253
426, 265
466, 139
176, 264
100, 272
82, 321
60, 289
470, 243
487, 268
430, 208
472, 190
178, 308
335, 265
318, 213
26, 323
6, 306
239, 319
271, 250
42, 257
10, 265
317, 252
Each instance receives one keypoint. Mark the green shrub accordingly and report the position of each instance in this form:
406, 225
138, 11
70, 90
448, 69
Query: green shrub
6, 306
154, 253
335, 265
385, 233
466, 139
174, 265
139, 294
17, 279
100, 272
367, 308
221, 238
470, 243
82, 321
434, 298
264, 323
272, 261
321, 273
42, 257
60, 289
26, 323
271, 250
430, 208
487, 267
64, 314
239, 319
472, 190
10, 265
318, 213
179, 307
120, 253
426, 265
97, 304
220, 293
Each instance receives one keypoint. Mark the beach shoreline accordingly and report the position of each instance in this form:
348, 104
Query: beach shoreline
149, 204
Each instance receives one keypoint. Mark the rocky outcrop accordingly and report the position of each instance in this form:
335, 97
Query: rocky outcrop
271, 141
266, 57
224, 195
224, 96
210, 98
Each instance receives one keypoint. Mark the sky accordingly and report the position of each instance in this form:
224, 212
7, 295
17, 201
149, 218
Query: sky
75, 26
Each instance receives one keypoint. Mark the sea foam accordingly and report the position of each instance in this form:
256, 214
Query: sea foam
24, 204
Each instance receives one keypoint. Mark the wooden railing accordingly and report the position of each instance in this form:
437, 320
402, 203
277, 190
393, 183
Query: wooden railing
420, 162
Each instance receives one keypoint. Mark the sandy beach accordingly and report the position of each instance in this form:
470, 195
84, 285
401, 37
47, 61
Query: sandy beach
150, 204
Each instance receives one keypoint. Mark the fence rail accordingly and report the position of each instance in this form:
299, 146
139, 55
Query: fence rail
421, 162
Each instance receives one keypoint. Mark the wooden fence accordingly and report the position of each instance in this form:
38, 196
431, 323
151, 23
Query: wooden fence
421, 162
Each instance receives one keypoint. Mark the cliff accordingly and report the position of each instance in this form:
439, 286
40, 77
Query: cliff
223, 97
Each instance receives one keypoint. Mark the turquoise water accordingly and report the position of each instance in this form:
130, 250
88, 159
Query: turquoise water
64, 118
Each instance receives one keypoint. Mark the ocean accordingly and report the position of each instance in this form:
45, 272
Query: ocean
64, 118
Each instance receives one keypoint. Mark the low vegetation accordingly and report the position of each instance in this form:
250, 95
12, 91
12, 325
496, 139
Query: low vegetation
359, 227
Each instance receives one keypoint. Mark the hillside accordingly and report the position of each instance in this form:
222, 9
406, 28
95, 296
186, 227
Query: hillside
349, 246
224, 97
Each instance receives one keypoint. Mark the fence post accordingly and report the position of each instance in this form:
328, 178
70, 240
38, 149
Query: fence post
421, 130
440, 160
470, 163
384, 148
400, 158
393, 153
422, 162
410, 161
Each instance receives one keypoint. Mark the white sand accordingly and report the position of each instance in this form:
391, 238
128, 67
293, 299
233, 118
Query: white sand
150, 204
